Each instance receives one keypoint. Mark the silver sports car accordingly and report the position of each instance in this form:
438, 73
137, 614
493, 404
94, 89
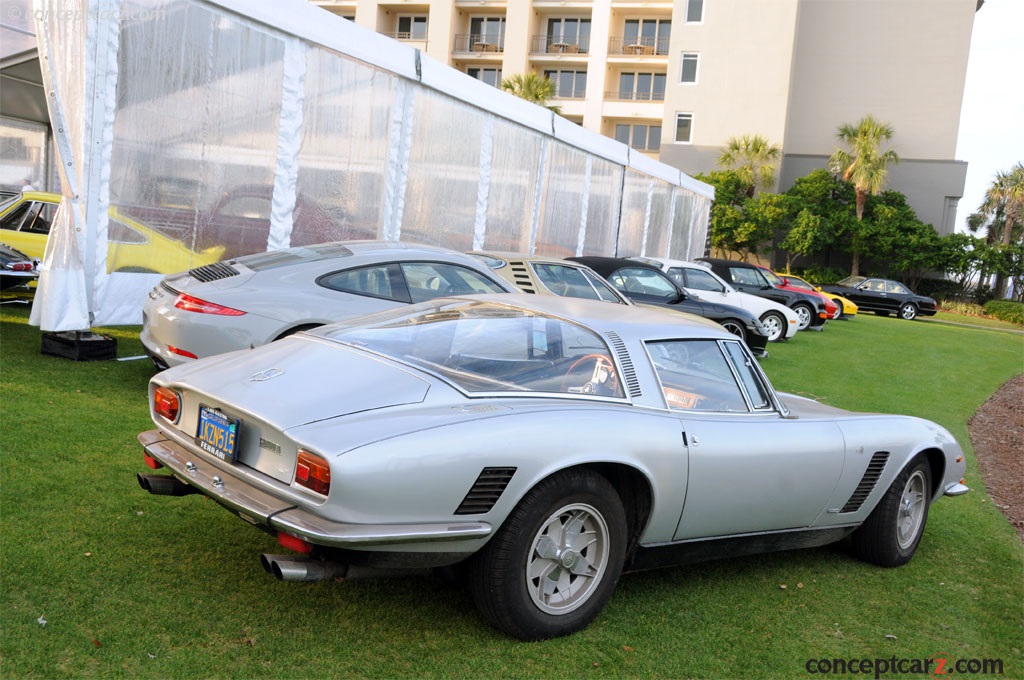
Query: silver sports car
543, 444
255, 299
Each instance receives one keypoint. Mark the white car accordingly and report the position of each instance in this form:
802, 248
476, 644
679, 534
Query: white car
780, 321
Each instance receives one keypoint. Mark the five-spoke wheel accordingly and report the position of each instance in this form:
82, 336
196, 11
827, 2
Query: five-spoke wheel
890, 534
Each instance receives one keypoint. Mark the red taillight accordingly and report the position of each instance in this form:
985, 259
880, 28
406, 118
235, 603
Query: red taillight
151, 461
20, 266
313, 472
293, 543
194, 304
181, 352
166, 403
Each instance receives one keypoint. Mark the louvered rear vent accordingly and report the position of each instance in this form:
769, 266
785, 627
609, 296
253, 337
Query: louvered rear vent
628, 372
486, 490
867, 482
521, 276
213, 272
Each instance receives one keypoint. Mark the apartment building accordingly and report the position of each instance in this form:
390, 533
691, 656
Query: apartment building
675, 80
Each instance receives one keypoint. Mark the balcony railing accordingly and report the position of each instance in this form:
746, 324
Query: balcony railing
647, 47
547, 44
627, 96
570, 92
479, 42
407, 36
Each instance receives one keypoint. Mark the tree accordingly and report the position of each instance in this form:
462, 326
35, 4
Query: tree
738, 223
822, 218
753, 159
532, 88
863, 164
1002, 213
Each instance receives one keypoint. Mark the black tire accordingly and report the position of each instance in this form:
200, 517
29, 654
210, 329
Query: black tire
839, 313
735, 327
775, 324
805, 314
508, 575
891, 533
908, 311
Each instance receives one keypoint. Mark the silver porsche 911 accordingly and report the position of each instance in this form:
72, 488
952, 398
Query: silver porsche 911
251, 300
542, 444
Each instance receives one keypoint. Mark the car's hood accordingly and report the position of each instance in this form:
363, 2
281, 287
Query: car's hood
300, 380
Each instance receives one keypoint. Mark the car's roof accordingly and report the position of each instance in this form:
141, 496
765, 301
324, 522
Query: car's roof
47, 196
354, 252
509, 256
669, 262
628, 323
735, 263
602, 264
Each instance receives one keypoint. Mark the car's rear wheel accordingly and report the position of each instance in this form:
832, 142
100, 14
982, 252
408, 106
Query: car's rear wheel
554, 563
735, 327
890, 534
775, 324
908, 311
804, 314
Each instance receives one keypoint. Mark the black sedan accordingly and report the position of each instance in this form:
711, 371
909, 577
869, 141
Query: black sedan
883, 297
646, 284
16, 268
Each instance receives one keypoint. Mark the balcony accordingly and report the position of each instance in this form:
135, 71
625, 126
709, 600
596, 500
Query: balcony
638, 47
479, 43
546, 44
418, 39
626, 96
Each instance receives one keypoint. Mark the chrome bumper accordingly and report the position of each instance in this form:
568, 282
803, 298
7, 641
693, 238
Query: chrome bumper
259, 507
956, 489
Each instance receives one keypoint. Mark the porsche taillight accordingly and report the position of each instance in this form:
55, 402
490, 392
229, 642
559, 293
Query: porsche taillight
313, 472
166, 403
200, 306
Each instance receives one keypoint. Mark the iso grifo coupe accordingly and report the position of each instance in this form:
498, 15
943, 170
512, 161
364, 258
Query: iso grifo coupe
544, 444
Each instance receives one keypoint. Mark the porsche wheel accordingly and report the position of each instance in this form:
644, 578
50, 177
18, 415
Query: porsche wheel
775, 324
908, 311
736, 328
804, 313
839, 310
555, 561
890, 534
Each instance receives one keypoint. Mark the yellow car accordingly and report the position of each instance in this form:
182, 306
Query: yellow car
847, 308
133, 247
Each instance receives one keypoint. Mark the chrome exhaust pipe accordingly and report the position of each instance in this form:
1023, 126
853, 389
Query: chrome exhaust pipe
165, 485
287, 568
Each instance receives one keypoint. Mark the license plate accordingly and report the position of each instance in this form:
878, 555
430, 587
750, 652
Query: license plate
218, 433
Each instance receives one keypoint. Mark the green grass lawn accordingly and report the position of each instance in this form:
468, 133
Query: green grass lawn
140, 586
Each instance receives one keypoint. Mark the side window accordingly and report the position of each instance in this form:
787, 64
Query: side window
695, 375
745, 277
893, 287
32, 217
428, 280
640, 281
755, 388
376, 281
604, 291
565, 281
698, 279
119, 232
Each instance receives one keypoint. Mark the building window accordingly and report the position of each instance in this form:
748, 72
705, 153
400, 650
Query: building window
487, 32
652, 34
694, 11
642, 86
689, 68
573, 32
684, 128
491, 76
642, 137
412, 27
568, 84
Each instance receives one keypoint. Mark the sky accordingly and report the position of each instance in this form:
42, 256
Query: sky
991, 137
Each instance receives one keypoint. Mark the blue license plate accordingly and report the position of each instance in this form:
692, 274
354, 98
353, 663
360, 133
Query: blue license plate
218, 433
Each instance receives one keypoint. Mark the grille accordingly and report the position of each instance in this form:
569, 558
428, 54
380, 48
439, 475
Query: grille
521, 277
486, 490
867, 482
213, 272
628, 372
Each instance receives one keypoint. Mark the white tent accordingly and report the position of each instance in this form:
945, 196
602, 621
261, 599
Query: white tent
195, 126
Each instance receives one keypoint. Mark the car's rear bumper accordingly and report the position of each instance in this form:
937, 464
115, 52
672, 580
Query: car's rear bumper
261, 508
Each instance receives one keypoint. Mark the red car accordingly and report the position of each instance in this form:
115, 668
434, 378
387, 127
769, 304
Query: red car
831, 308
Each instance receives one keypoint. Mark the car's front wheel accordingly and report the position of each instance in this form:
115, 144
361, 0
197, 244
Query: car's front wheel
735, 327
890, 534
555, 561
908, 311
804, 314
775, 324
839, 310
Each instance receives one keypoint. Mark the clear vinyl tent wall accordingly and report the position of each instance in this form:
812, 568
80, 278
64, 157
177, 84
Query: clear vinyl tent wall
190, 131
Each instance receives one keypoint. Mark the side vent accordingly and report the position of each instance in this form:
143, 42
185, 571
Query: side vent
486, 490
867, 482
521, 276
213, 272
628, 372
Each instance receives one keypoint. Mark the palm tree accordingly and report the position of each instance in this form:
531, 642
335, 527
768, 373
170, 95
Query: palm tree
753, 158
532, 88
1004, 201
863, 164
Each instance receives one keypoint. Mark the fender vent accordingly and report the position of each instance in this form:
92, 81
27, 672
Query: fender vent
213, 272
867, 482
521, 276
486, 490
628, 372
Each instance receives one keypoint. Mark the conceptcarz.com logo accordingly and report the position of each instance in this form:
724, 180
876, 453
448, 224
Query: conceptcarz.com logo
936, 666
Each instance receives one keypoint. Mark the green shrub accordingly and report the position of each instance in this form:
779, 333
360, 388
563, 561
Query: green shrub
1006, 310
822, 276
968, 308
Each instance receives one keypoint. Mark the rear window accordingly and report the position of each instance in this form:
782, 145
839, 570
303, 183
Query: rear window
289, 256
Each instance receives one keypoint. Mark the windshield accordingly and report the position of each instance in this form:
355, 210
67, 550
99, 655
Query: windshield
772, 278
851, 281
487, 347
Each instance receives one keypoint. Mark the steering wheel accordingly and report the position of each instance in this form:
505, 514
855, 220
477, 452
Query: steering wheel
603, 376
